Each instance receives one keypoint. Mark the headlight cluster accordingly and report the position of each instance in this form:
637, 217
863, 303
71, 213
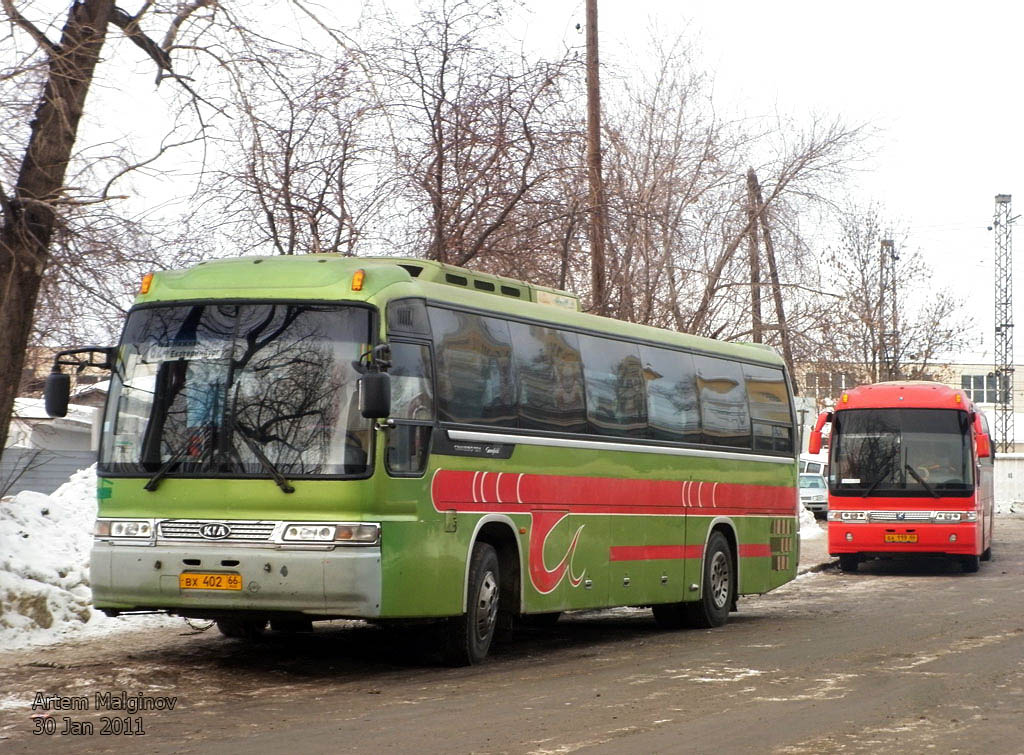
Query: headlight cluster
955, 516
135, 528
304, 532
847, 516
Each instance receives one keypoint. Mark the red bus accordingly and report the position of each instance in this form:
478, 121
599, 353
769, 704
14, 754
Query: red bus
910, 473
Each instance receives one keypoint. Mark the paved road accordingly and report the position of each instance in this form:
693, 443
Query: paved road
914, 657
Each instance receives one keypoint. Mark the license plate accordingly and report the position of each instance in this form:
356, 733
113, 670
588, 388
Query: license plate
199, 581
901, 537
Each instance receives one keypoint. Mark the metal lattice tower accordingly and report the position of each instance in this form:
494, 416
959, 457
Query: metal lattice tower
1003, 224
887, 319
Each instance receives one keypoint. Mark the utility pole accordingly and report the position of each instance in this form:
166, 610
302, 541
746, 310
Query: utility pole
1003, 225
753, 208
754, 189
598, 276
887, 312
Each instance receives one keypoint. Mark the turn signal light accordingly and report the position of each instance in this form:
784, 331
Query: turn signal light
147, 281
357, 280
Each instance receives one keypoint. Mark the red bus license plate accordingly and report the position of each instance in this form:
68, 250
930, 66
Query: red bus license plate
199, 581
901, 537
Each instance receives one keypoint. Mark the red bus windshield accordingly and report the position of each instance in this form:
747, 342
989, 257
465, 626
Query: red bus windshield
901, 452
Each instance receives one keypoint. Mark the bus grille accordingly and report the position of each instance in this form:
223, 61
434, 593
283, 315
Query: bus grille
900, 516
241, 532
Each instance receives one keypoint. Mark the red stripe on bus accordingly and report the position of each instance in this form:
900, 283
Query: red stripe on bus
755, 550
511, 492
653, 552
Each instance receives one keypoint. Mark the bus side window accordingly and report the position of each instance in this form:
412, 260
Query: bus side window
673, 414
412, 409
550, 372
616, 397
474, 368
724, 414
769, 409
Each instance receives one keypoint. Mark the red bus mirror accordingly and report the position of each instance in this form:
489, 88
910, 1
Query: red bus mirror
984, 445
814, 441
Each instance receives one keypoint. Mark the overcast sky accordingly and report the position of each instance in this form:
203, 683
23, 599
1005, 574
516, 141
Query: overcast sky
939, 80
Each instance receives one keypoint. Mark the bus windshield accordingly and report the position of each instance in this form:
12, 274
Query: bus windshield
901, 452
238, 390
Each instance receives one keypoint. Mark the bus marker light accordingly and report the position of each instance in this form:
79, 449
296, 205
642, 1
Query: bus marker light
952, 538
147, 281
357, 280
522, 530
849, 537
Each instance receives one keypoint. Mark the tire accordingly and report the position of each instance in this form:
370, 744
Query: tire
241, 629
969, 564
848, 562
468, 637
291, 625
718, 586
987, 554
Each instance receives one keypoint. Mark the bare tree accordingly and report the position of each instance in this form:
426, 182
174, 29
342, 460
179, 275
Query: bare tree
932, 323
469, 122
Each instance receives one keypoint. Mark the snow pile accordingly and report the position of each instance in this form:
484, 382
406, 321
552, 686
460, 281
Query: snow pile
809, 528
44, 566
1009, 507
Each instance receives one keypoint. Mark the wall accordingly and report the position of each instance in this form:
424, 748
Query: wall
46, 470
1009, 478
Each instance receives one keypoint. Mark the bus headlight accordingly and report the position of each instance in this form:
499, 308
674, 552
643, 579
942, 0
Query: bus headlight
134, 528
313, 532
316, 533
847, 516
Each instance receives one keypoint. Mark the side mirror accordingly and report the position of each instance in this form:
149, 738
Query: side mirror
814, 441
984, 445
57, 393
375, 395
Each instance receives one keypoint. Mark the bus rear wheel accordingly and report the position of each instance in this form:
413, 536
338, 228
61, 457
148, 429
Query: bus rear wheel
718, 586
848, 562
468, 637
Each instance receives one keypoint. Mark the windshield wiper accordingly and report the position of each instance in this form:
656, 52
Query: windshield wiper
920, 479
268, 465
874, 485
175, 458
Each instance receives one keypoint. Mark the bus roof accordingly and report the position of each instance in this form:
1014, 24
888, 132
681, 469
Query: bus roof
913, 394
329, 277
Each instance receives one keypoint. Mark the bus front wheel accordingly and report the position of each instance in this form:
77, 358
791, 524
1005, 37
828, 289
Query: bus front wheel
848, 561
241, 629
468, 637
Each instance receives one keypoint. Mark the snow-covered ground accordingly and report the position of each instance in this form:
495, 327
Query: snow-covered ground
44, 568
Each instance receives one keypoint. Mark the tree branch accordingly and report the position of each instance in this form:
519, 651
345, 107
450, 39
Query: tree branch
41, 39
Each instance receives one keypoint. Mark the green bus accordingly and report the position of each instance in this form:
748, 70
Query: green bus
299, 438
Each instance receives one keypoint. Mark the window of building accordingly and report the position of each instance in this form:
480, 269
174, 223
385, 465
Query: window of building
981, 389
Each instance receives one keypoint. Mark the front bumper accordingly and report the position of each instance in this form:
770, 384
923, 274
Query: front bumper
956, 539
341, 582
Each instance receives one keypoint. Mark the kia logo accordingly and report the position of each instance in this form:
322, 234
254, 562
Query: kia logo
215, 531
